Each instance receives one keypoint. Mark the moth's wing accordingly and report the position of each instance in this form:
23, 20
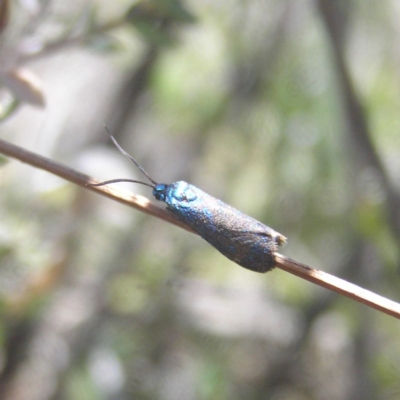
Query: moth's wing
257, 233
253, 250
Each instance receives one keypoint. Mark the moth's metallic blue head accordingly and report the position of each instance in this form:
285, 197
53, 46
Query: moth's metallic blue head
159, 191
176, 194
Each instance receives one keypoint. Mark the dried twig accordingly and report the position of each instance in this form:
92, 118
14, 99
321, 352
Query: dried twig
145, 205
136, 201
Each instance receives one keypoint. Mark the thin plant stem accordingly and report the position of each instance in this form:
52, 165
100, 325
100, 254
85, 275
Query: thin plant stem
143, 204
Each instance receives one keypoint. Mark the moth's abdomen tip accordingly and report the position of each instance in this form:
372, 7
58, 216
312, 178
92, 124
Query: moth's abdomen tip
280, 239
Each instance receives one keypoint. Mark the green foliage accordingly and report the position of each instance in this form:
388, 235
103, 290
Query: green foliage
154, 18
246, 101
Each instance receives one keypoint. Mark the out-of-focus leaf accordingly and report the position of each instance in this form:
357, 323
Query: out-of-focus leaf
24, 85
147, 19
8, 110
153, 11
153, 33
5, 249
103, 43
175, 10
153, 18
4, 14
93, 15
3, 160
144, 11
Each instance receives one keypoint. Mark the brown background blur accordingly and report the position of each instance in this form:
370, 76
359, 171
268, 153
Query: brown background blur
287, 110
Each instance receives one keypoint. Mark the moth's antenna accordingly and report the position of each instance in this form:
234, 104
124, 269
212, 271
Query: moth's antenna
132, 159
122, 180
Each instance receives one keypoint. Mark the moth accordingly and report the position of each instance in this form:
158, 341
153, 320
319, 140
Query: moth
237, 236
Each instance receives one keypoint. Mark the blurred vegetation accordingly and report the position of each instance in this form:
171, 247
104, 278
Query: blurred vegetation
288, 110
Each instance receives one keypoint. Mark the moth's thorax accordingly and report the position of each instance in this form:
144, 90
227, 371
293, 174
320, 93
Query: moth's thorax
180, 194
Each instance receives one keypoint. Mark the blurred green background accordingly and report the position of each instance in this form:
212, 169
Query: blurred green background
287, 110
